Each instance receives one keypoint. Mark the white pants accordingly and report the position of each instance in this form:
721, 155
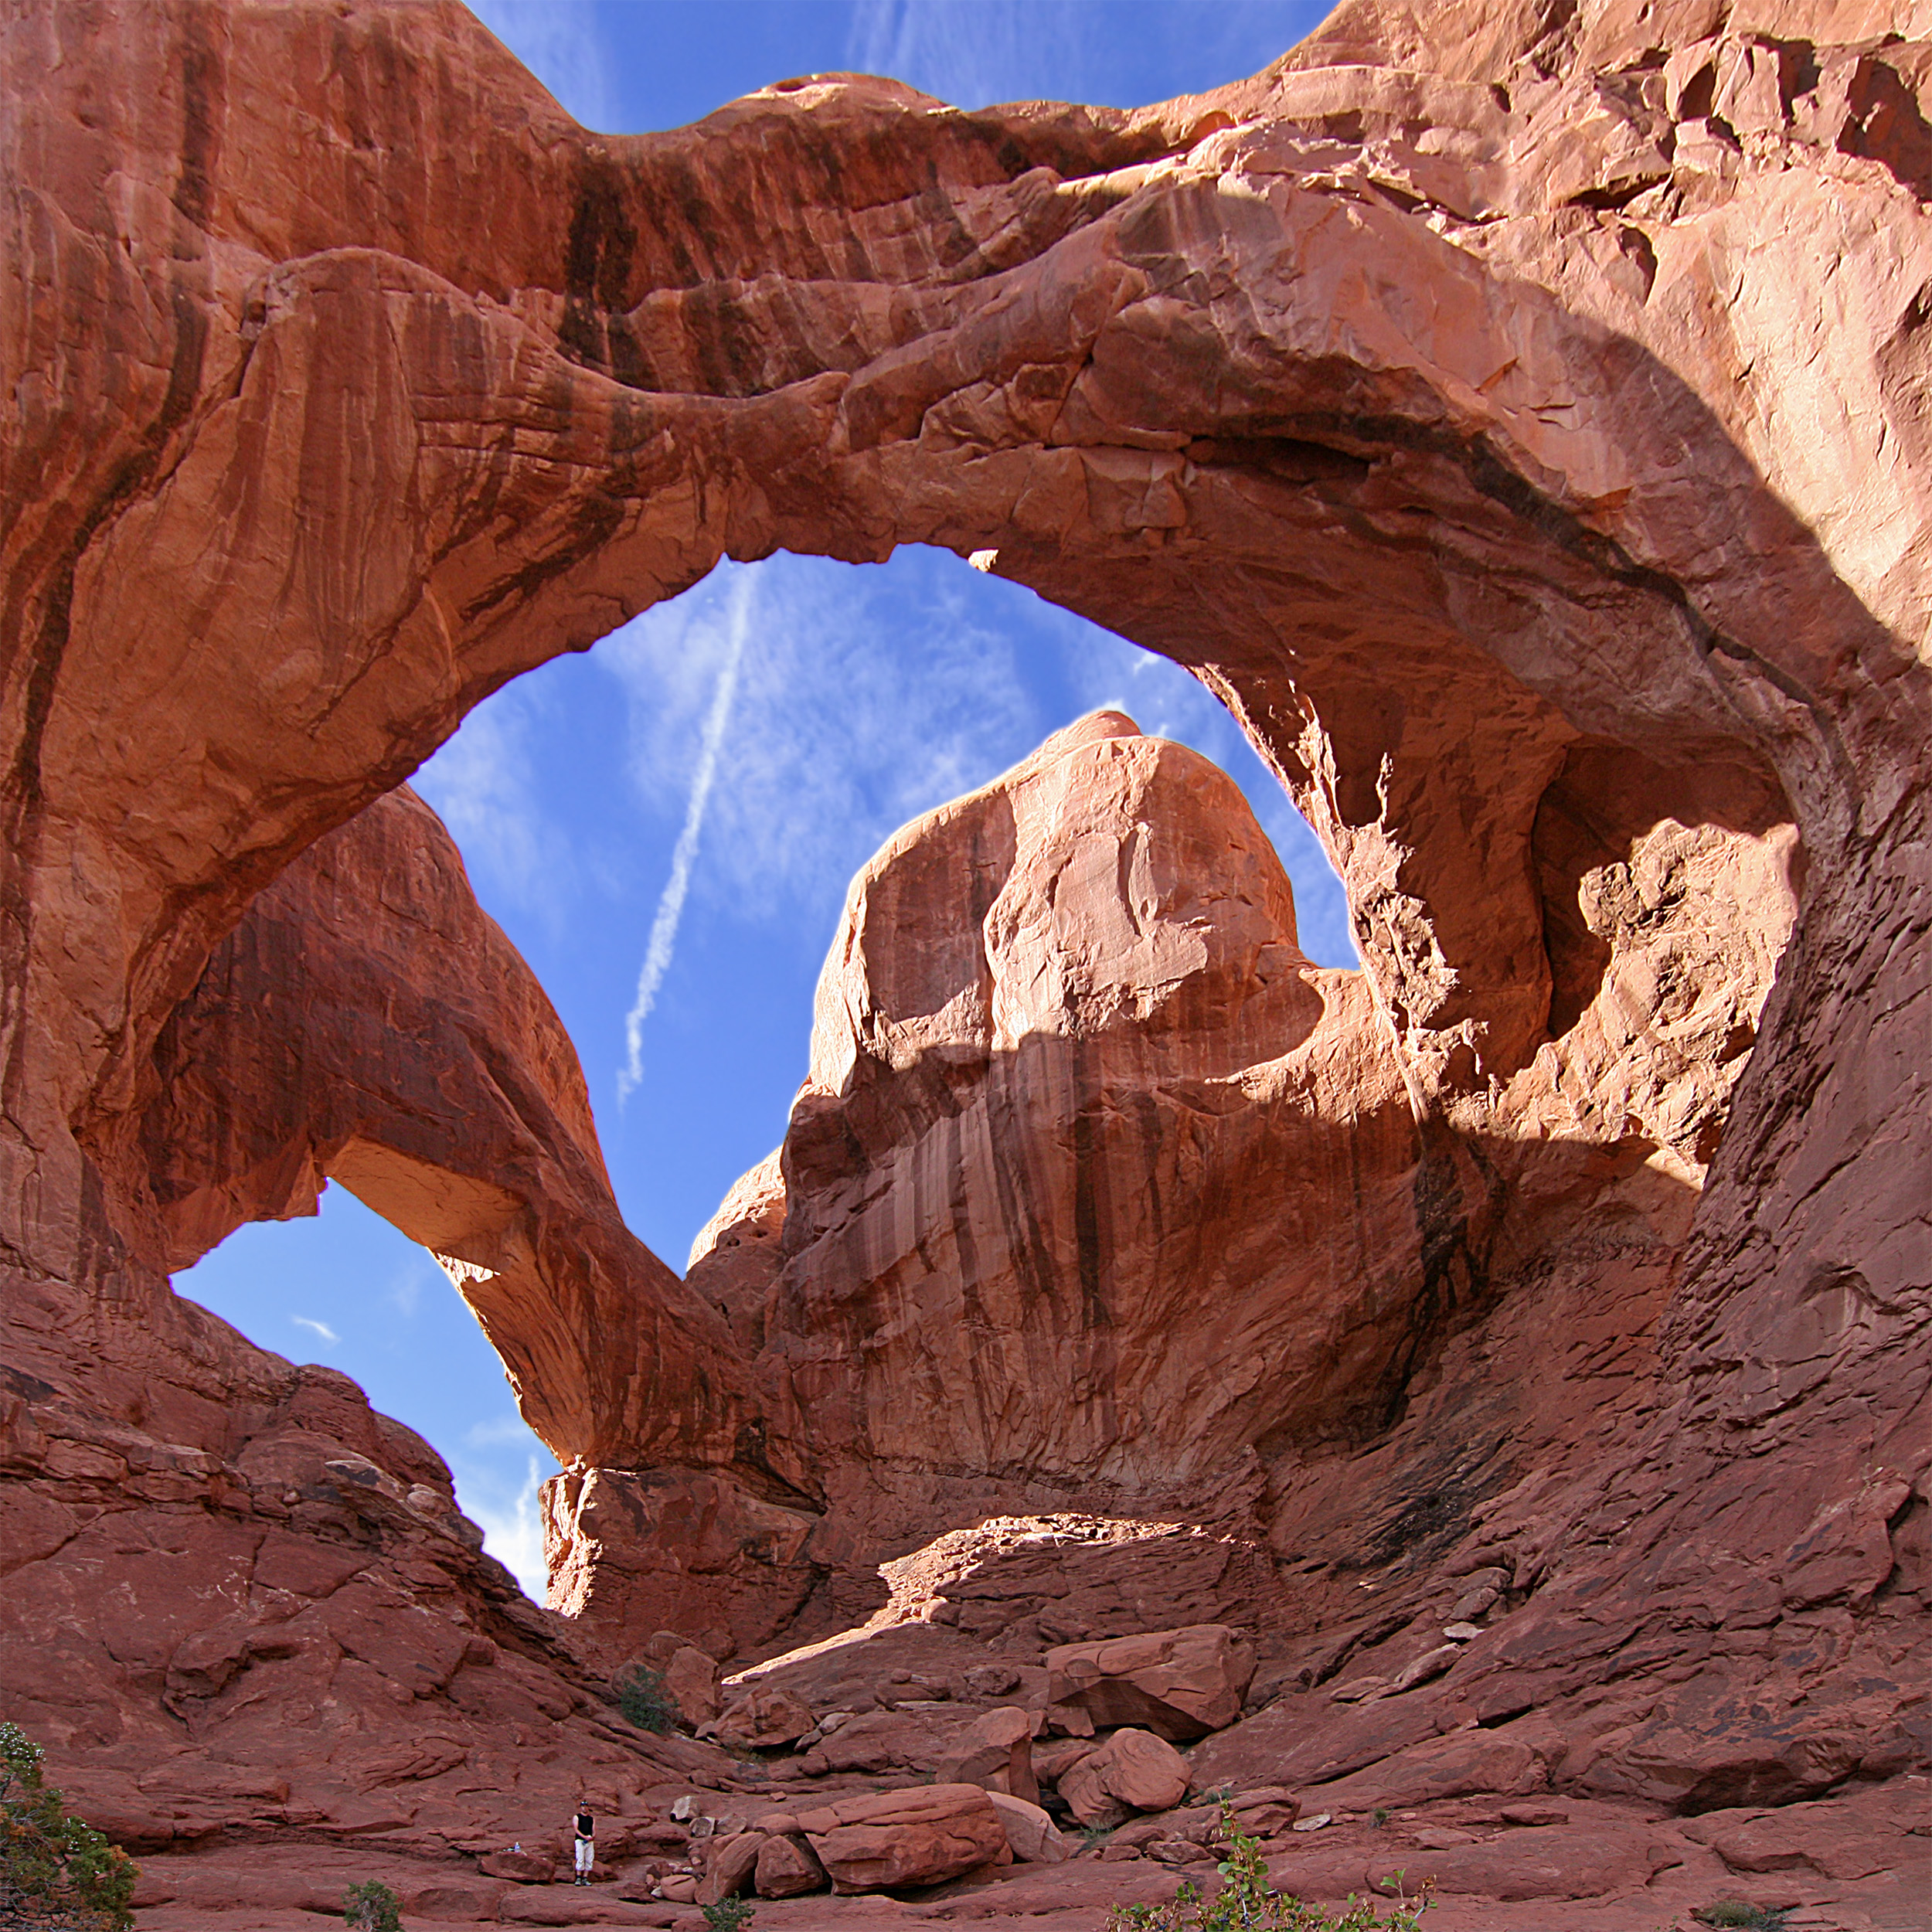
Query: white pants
587, 1850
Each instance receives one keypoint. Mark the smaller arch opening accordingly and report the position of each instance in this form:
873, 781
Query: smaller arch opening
345, 1288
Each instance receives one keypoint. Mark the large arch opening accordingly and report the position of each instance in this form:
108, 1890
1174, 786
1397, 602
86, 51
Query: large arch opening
859, 697
1419, 584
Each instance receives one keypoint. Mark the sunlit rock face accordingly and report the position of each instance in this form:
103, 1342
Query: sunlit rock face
1516, 414
1094, 1176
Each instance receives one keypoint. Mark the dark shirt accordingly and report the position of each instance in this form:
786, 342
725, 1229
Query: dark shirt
584, 1829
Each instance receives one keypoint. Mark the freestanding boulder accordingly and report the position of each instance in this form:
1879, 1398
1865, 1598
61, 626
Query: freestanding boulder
1179, 1684
729, 1865
1134, 1770
537, 1865
1266, 1810
691, 1682
786, 1868
917, 1836
761, 1720
998, 1754
1035, 1838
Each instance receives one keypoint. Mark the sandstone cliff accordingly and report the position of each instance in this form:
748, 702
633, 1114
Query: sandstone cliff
1518, 415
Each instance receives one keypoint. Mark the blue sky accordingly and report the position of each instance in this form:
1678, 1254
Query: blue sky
666, 825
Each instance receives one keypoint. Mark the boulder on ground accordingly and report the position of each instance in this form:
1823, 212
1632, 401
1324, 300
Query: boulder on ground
761, 1720
1051, 1762
997, 1754
917, 1836
535, 1866
787, 1868
1179, 1684
1133, 1771
1034, 1837
1090, 1801
1423, 1669
729, 1865
691, 1682
991, 1680
1266, 1810
1178, 1851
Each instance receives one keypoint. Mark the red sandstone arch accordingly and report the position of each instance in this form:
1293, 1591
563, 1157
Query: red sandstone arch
1476, 432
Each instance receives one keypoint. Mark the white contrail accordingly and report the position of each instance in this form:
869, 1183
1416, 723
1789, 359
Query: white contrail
664, 928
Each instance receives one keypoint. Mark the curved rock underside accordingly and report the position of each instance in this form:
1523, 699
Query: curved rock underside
1519, 415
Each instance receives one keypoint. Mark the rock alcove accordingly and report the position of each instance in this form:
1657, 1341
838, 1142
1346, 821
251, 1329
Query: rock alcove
1458, 399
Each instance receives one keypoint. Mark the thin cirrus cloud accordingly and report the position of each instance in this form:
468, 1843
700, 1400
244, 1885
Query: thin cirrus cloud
507, 1508
976, 53
562, 45
664, 925
510, 1514
321, 1329
971, 52
860, 703
483, 786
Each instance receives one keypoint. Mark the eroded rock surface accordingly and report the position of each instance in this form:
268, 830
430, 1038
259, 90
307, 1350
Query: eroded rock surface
1518, 415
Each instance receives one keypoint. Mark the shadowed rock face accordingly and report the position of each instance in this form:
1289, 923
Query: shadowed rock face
1517, 415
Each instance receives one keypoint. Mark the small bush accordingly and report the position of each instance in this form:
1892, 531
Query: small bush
1248, 1903
1742, 1913
641, 1700
49, 1862
728, 1914
372, 1906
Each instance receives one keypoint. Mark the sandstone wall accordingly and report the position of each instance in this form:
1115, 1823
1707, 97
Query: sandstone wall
1519, 420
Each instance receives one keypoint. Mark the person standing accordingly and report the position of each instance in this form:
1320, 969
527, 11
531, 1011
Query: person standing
586, 1845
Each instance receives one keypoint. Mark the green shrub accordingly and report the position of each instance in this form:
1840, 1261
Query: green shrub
641, 1701
1742, 1913
1248, 1903
372, 1906
49, 1862
728, 1914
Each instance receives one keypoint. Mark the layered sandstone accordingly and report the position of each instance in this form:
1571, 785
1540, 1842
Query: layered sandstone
1518, 415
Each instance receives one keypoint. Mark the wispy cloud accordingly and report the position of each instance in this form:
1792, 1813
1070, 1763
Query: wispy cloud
561, 45
509, 1513
865, 698
664, 926
975, 52
319, 1328
484, 786
406, 1289
497, 1431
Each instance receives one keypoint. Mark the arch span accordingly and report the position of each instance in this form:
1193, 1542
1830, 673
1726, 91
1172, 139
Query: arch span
1474, 422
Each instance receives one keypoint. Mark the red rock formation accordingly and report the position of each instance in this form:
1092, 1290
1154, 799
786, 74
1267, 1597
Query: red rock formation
236, 1599
1517, 414
466, 1124
1097, 1189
